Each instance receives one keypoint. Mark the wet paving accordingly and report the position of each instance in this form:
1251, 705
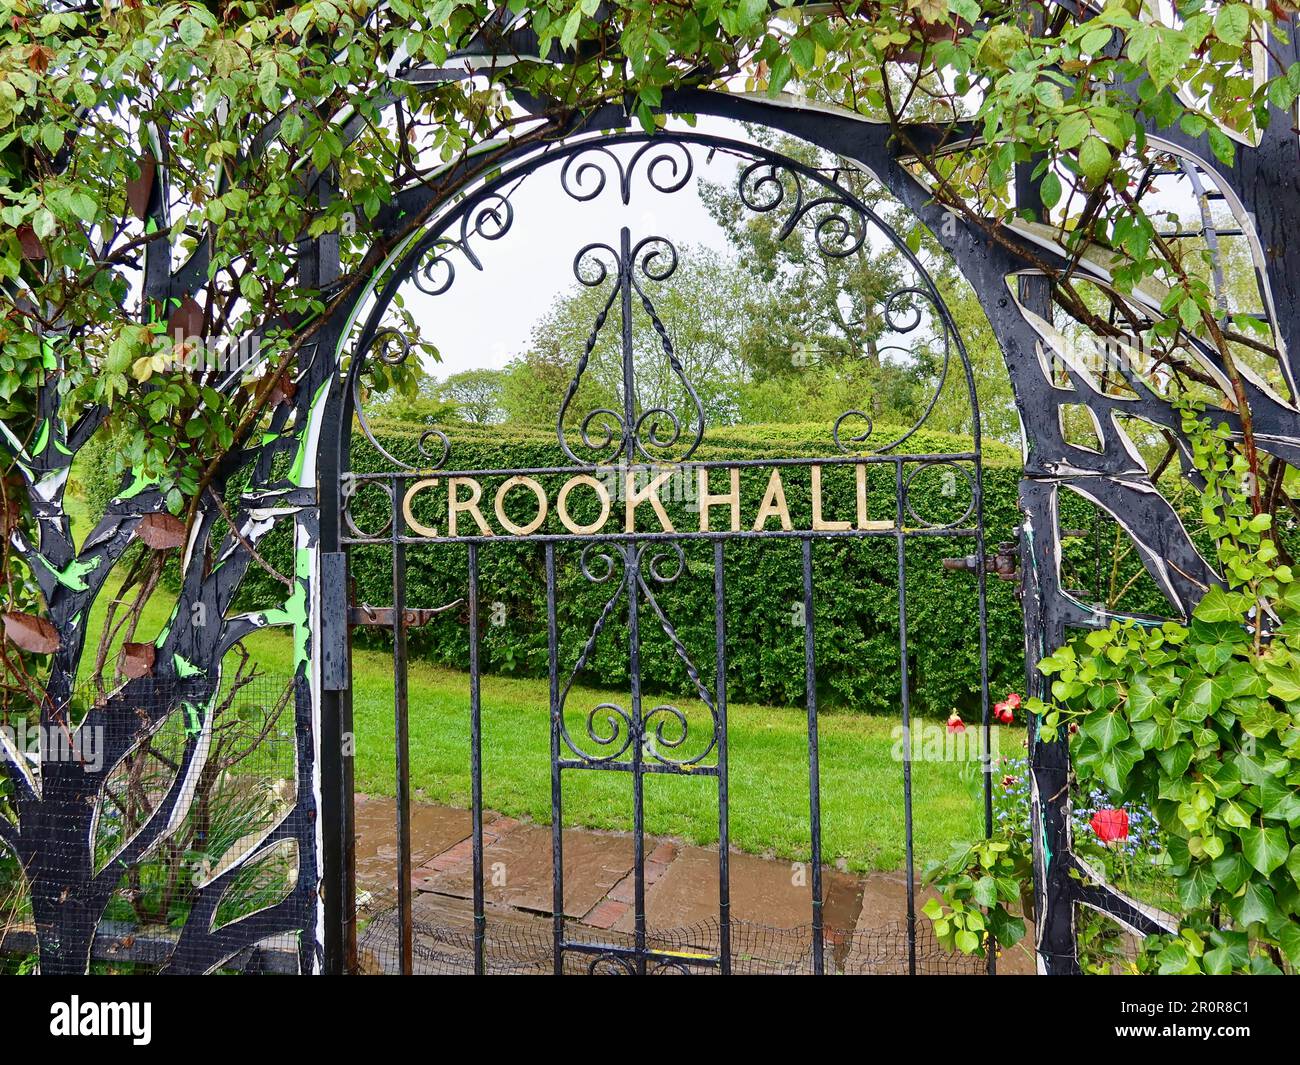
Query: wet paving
865, 917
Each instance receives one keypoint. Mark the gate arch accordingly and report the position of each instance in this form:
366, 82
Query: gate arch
628, 443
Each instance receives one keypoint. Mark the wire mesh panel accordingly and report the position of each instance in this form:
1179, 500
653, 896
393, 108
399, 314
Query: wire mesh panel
514, 948
171, 810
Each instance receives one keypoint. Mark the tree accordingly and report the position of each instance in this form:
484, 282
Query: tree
475, 395
708, 307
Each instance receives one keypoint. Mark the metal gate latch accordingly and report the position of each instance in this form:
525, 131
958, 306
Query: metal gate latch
382, 616
1005, 564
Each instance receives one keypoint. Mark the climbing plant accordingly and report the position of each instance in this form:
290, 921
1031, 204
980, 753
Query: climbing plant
193, 195
1197, 721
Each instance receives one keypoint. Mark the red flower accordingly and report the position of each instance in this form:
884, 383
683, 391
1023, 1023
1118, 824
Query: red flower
1007, 781
955, 723
1013, 701
1002, 712
1111, 826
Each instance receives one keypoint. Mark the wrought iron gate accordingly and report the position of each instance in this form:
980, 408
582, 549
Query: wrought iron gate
597, 515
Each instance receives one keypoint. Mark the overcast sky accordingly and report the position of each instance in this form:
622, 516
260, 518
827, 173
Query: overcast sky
486, 317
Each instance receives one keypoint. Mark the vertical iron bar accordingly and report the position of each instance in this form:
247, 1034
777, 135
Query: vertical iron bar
633, 578
557, 831
986, 725
814, 758
625, 268
899, 490
724, 814
633, 567
476, 766
401, 742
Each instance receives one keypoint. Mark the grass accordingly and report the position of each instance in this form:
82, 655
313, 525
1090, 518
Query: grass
861, 779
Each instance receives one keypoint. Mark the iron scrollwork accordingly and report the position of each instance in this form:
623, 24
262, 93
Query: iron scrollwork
665, 728
640, 434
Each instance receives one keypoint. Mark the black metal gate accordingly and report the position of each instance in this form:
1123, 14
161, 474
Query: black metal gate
597, 515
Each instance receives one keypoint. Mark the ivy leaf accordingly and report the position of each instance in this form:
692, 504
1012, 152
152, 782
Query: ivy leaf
1107, 728
1174, 959
1289, 940
1007, 930
1195, 888
1282, 682
985, 891
1255, 905
1232, 870
1201, 697
1265, 848
1218, 604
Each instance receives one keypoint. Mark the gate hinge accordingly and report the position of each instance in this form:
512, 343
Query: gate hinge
1005, 563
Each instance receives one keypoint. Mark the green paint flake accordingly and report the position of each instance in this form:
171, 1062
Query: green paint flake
184, 668
74, 576
193, 719
138, 485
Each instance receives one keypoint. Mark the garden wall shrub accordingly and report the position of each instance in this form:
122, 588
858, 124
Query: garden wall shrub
856, 601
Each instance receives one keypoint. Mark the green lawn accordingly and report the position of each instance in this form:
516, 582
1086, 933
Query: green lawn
861, 781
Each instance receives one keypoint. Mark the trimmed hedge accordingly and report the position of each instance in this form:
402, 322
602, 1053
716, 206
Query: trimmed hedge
855, 580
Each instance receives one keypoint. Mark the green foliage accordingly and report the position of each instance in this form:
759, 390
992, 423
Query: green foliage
856, 580
1199, 722
985, 878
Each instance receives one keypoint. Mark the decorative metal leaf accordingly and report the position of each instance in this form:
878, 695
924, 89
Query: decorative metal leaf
30, 243
161, 531
31, 633
186, 320
283, 391
137, 660
139, 190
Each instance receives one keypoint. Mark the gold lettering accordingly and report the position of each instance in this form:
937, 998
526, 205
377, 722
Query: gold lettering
469, 506
773, 503
636, 496
506, 523
818, 522
411, 524
561, 505
863, 523
708, 499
